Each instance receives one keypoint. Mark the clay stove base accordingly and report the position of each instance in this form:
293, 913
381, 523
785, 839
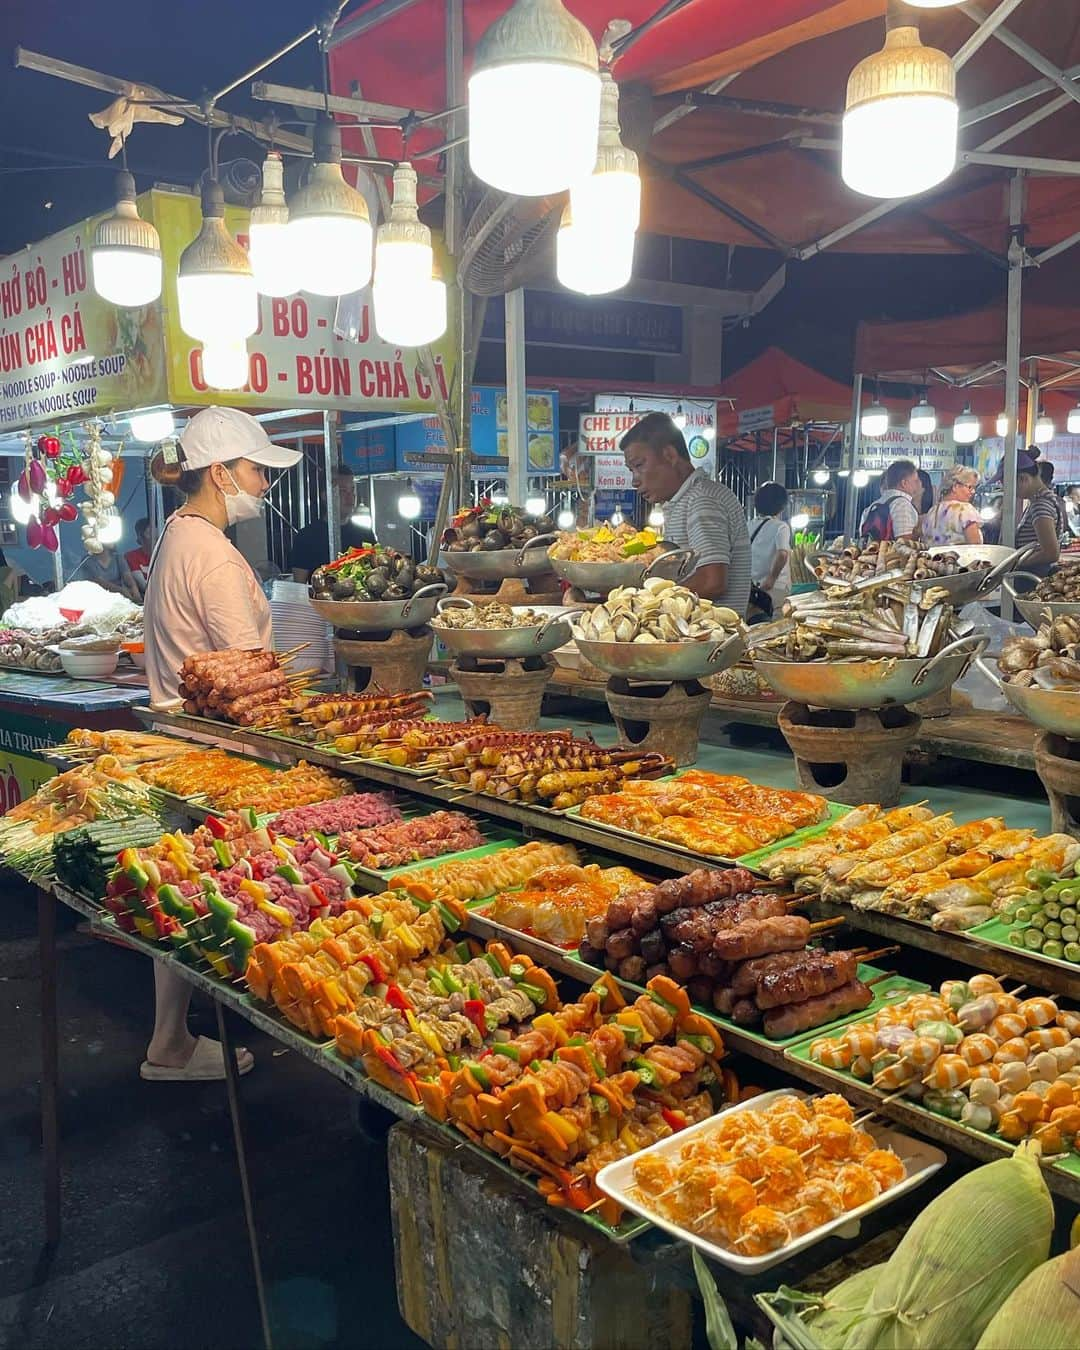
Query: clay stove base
393, 662
1057, 762
509, 691
849, 757
541, 590
661, 717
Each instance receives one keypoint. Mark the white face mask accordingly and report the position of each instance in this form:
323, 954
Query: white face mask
241, 505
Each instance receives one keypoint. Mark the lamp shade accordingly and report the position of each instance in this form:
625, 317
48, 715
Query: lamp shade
534, 100
900, 124
860, 478
566, 520
329, 223
152, 425
923, 419
409, 505
411, 319
821, 476
125, 257
270, 245
1044, 429
1002, 424
612, 192
966, 428
410, 302
215, 288
874, 420
1072, 422
591, 260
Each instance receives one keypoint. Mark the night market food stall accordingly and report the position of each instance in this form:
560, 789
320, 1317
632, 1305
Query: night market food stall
606, 996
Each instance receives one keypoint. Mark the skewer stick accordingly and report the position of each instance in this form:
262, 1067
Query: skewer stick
823, 925
865, 956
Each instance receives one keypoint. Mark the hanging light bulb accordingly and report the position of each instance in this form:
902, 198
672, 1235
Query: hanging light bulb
843, 473
225, 364
329, 222
270, 244
409, 505
617, 518
125, 257
709, 433
593, 260
534, 100
860, 478
966, 427
215, 288
923, 419
152, 425
612, 192
362, 517
821, 476
800, 520
656, 519
1002, 424
410, 303
987, 512
109, 528
874, 420
1044, 429
680, 418
566, 520
1072, 422
499, 497
900, 125
21, 511
535, 506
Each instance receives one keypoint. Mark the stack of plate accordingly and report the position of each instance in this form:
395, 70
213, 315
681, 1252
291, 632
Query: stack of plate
295, 621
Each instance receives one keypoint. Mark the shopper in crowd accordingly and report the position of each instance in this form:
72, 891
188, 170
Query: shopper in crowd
138, 559
311, 547
770, 548
699, 513
1072, 510
892, 515
1041, 522
924, 499
109, 570
201, 595
954, 520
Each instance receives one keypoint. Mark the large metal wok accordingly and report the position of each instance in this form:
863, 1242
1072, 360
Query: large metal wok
870, 684
600, 578
1056, 710
962, 587
1019, 585
664, 661
382, 616
553, 631
499, 563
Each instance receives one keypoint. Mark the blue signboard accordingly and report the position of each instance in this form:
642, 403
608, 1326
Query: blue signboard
489, 432
608, 500
368, 452
556, 319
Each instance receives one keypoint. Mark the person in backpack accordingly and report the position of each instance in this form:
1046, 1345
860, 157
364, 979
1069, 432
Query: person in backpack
770, 547
893, 514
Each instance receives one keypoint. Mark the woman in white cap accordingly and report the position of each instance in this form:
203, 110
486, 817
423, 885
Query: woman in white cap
202, 595
954, 519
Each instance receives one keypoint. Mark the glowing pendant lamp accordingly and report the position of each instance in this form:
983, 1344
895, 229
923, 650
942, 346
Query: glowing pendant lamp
593, 260
1044, 429
874, 420
923, 419
966, 427
900, 123
534, 100
125, 257
410, 303
1072, 422
329, 222
270, 245
611, 195
225, 364
215, 288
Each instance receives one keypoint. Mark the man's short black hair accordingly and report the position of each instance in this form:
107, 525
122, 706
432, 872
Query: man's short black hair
898, 470
656, 430
770, 498
143, 523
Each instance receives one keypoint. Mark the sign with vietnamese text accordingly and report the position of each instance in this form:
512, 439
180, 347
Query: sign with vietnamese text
489, 433
64, 352
699, 416
932, 453
559, 319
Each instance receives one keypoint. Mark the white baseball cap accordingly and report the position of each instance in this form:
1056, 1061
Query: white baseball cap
217, 435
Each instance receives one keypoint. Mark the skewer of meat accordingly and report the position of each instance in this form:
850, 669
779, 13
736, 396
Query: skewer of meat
780, 1023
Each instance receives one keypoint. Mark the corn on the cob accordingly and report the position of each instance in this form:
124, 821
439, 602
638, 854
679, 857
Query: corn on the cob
960, 1259
1041, 1311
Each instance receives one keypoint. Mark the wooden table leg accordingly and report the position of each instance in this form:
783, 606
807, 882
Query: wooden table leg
232, 1081
50, 1073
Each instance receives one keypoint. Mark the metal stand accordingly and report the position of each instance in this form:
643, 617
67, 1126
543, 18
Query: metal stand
232, 1080
50, 1073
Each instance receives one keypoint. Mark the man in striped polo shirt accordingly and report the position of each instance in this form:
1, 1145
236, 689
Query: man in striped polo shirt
699, 513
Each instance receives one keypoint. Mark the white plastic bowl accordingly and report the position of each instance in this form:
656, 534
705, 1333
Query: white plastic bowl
88, 665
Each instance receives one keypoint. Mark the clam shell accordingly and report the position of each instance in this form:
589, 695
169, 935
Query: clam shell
645, 637
657, 584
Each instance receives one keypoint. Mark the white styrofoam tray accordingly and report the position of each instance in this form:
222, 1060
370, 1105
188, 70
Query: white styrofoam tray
922, 1160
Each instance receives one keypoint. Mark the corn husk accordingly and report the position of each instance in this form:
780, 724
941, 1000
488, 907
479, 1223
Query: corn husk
841, 1305
960, 1259
1041, 1312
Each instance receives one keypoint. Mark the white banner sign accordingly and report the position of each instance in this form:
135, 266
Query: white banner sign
611, 473
756, 419
700, 415
932, 453
1063, 452
600, 432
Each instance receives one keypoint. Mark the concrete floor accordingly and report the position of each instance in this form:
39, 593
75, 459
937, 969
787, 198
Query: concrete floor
154, 1254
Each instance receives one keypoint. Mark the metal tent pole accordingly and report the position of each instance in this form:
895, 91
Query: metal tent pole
517, 481
851, 496
775, 450
1033, 396
1012, 366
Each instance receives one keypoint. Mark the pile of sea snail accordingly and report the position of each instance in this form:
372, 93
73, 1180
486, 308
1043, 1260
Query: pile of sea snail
660, 611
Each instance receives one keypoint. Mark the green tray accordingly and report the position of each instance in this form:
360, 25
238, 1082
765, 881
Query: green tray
1068, 1163
997, 933
496, 845
751, 860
